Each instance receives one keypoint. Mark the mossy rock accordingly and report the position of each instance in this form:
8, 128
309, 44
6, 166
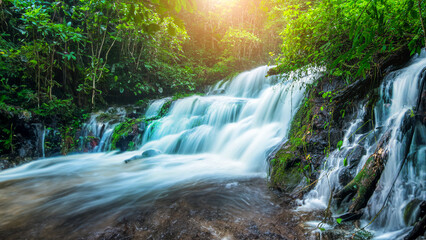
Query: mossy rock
285, 174
362, 235
411, 212
108, 117
288, 166
125, 133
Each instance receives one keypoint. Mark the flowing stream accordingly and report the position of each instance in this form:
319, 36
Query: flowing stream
211, 151
221, 139
402, 185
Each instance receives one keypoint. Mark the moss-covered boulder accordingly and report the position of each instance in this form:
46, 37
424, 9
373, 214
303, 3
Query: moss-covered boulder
126, 134
412, 211
285, 173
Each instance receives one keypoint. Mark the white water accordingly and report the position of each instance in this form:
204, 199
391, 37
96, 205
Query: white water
155, 107
398, 95
329, 178
101, 130
45, 132
210, 138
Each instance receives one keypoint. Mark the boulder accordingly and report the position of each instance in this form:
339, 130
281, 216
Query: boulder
146, 154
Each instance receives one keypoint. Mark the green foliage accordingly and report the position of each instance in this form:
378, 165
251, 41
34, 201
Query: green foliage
339, 144
123, 130
92, 49
240, 43
285, 170
7, 143
227, 37
345, 37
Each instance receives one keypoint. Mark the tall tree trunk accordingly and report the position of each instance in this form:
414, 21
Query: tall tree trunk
93, 92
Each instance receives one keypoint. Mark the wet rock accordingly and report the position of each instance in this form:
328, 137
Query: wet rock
418, 230
320, 122
331, 234
123, 143
114, 233
150, 153
146, 154
421, 103
355, 155
286, 175
345, 176
5, 163
26, 149
318, 142
413, 211
363, 185
335, 135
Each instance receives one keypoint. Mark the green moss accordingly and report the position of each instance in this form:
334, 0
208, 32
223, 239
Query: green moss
362, 235
110, 116
284, 175
410, 210
357, 182
123, 129
288, 171
165, 109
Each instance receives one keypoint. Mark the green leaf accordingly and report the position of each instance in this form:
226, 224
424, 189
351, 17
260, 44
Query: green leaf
153, 28
338, 220
171, 30
345, 162
339, 144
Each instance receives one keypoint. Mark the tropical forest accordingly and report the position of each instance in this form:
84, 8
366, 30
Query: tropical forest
213, 119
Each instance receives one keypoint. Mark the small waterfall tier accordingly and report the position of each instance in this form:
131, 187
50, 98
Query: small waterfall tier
402, 184
225, 134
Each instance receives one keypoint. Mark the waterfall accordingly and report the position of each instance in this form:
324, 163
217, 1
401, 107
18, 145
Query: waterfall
97, 132
43, 139
399, 94
201, 139
155, 107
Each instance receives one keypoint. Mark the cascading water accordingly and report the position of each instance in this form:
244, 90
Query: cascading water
155, 107
209, 139
399, 94
100, 130
237, 125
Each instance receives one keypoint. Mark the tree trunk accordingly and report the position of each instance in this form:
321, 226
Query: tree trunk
93, 92
362, 186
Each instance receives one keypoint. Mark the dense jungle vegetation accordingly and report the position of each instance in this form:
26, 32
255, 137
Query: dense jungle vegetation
61, 58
